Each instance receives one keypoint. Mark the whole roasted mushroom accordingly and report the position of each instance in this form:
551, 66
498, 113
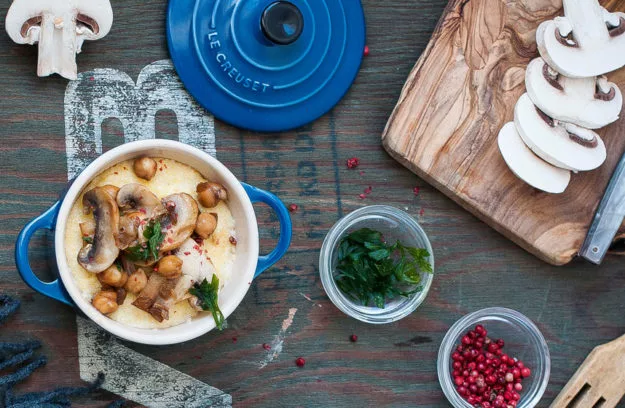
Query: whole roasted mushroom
98, 255
60, 27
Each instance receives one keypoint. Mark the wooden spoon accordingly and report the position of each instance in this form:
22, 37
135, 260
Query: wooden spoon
599, 382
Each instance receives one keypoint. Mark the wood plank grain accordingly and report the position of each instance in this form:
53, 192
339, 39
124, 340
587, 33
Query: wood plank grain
457, 97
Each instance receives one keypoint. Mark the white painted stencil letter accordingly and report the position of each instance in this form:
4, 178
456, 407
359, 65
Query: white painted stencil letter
108, 93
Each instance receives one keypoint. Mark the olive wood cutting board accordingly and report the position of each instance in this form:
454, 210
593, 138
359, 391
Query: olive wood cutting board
457, 97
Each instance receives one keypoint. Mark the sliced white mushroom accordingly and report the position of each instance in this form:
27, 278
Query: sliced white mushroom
587, 42
591, 102
562, 144
527, 166
60, 27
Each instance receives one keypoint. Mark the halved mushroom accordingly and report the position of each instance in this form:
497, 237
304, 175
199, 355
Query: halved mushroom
136, 197
150, 292
60, 27
562, 144
179, 223
527, 166
589, 102
97, 256
587, 42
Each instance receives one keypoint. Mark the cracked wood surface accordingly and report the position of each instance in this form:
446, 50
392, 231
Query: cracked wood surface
577, 306
460, 93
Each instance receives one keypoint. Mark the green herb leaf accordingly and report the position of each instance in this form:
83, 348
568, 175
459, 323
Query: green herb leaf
154, 236
207, 294
88, 240
370, 271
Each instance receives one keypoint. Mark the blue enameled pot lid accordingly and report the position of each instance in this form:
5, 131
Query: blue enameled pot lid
266, 65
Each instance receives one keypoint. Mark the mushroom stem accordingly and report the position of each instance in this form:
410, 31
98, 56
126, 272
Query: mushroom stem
57, 46
588, 20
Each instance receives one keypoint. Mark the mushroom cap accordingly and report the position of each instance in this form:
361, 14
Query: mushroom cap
23, 10
527, 166
575, 102
178, 225
578, 62
137, 197
99, 255
555, 144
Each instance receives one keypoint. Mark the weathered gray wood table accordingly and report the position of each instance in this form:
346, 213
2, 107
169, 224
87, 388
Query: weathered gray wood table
576, 307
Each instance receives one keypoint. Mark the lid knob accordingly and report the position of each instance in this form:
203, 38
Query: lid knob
282, 22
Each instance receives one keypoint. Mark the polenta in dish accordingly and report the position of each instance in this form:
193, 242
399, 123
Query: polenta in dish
150, 242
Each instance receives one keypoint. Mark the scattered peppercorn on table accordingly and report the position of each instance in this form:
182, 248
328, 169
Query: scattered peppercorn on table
286, 345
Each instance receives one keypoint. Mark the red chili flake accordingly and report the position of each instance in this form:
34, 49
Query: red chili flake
366, 51
116, 173
368, 190
125, 168
293, 207
142, 211
362, 196
416, 191
170, 240
266, 346
165, 165
353, 338
233, 241
155, 269
160, 169
300, 362
160, 161
196, 247
234, 339
199, 240
362, 173
353, 162
91, 79
187, 253
422, 212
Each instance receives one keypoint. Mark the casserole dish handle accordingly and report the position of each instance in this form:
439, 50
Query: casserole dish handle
257, 195
54, 289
